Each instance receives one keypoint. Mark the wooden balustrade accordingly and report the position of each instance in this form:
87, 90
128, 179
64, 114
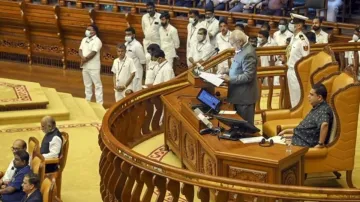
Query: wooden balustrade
129, 176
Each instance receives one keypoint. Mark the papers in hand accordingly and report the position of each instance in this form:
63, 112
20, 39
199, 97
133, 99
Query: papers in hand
276, 139
211, 78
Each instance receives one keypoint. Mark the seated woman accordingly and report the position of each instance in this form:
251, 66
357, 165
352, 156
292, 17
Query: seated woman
314, 130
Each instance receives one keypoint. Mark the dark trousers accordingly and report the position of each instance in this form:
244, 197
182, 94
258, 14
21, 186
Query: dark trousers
277, 12
247, 112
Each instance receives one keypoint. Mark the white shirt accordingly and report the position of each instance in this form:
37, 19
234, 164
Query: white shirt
151, 72
10, 171
122, 70
135, 51
300, 47
169, 41
350, 54
54, 148
89, 45
280, 38
165, 73
150, 27
222, 42
322, 37
201, 51
250, 1
192, 32
265, 60
212, 28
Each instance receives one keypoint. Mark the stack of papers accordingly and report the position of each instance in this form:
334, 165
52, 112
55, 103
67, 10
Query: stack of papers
276, 139
211, 78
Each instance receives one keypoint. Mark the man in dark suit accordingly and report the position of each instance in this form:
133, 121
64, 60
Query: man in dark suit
31, 186
243, 89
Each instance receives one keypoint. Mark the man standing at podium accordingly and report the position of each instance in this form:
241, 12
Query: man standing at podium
242, 85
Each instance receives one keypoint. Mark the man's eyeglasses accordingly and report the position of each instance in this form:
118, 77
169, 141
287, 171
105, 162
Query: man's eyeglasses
15, 149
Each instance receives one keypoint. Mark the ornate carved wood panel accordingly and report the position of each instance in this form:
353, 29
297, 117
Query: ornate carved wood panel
172, 133
207, 164
247, 174
189, 149
290, 176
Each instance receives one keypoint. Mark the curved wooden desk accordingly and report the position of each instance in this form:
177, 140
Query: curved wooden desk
207, 154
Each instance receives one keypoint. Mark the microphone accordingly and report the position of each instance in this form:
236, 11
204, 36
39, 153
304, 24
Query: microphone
217, 94
199, 67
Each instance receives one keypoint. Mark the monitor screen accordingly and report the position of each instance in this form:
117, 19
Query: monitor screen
208, 99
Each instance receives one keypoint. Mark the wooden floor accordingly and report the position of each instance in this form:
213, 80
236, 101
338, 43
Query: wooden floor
69, 81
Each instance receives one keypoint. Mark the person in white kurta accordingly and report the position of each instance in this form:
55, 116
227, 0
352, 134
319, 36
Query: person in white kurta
266, 61
150, 24
192, 29
150, 64
222, 42
349, 55
211, 25
169, 38
89, 52
135, 51
164, 72
321, 36
299, 47
124, 72
202, 49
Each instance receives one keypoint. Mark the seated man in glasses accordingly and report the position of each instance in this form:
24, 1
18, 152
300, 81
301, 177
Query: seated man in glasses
17, 146
314, 130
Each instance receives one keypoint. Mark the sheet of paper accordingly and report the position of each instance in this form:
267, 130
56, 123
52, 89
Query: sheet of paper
211, 78
227, 112
251, 140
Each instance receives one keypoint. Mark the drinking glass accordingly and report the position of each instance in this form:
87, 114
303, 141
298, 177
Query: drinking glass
288, 141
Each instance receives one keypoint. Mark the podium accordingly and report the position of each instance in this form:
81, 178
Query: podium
209, 155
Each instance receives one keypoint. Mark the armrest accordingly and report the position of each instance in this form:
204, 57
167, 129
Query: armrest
280, 128
52, 161
275, 115
317, 152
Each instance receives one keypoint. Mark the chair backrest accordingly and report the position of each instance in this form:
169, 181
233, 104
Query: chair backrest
48, 190
304, 68
33, 145
37, 165
316, 4
64, 150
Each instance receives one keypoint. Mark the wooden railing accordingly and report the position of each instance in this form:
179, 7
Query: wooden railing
124, 172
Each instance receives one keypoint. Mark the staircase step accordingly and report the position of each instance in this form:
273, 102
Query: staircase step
55, 108
75, 112
86, 109
98, 109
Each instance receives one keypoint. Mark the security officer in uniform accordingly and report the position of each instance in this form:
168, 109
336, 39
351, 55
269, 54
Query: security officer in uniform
299, 47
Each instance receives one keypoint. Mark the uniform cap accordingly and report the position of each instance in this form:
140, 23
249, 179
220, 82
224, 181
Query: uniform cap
296, 18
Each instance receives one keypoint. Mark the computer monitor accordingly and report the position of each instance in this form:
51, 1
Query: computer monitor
209, 100
239, 128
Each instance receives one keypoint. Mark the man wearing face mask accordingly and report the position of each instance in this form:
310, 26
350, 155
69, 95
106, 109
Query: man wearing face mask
51, 143
291, 26
192, 30
211, 24
349, 55
150, 24
164, 72
242, 82
169, 38
266, 61
299, 47
282, 34
90, 64
151, 65
321, 36
222, 41
135, 51
201, 51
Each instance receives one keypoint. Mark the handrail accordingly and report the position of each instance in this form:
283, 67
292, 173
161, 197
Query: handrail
120, 150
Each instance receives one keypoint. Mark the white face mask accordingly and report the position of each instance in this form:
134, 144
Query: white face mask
191, 20
87, 33
282, 28
209, 19
199, 37
355, 37
128, 38
260, 40
291, 27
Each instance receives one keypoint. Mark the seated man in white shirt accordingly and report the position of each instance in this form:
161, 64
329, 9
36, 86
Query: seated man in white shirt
266, 27
321, 36
52, 142
164, 72
124, 73
202, 50
349, 55
282, 34
17, 146
266, 61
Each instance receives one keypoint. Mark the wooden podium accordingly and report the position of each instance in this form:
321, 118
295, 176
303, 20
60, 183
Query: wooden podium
209, 155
